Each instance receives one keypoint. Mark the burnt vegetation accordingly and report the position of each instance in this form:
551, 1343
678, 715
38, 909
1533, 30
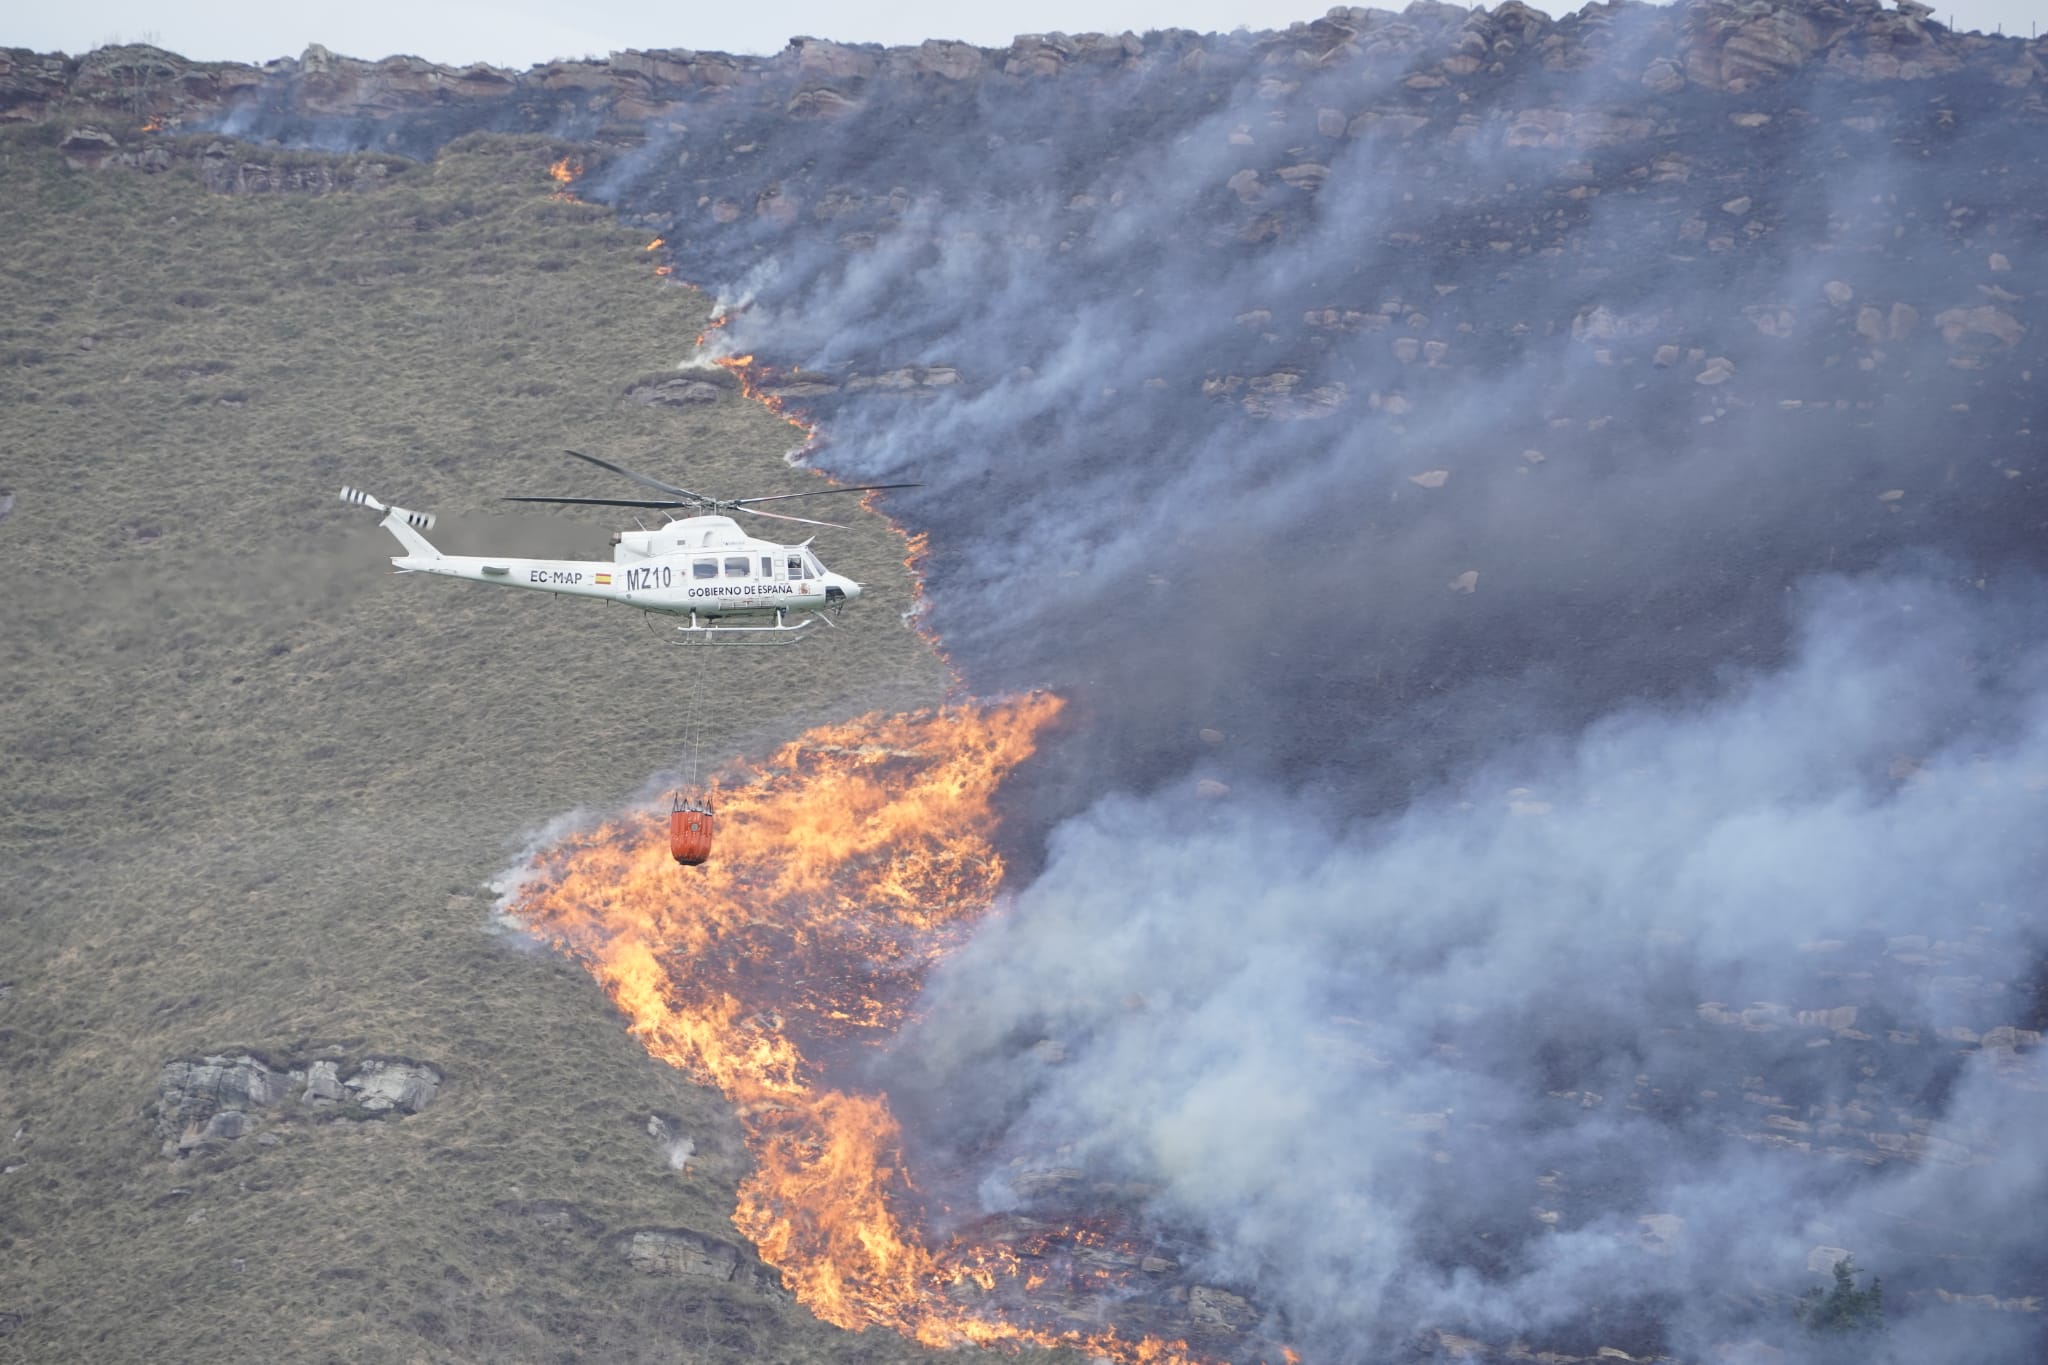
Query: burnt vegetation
1562, 354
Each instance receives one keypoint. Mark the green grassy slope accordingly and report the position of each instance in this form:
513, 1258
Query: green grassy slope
251, 784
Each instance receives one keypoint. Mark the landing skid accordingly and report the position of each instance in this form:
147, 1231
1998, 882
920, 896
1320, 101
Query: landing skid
781, 633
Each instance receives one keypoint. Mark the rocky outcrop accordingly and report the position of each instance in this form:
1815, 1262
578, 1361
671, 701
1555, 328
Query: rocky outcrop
685, 1254
1729, 47
212, 1099
205, 1103
231, 168
677, 391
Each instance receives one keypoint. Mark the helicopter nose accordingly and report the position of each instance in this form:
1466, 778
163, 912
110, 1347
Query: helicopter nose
841, 590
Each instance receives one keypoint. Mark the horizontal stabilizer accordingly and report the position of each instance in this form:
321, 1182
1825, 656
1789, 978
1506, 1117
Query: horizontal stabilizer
358, 498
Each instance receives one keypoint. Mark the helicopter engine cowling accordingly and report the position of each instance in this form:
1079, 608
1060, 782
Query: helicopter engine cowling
631, 545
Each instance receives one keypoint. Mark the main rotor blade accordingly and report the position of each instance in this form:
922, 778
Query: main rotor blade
782, 516
601, 502
822, 492
641, 479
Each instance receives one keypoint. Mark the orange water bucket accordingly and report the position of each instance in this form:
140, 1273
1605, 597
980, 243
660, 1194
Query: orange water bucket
689, 832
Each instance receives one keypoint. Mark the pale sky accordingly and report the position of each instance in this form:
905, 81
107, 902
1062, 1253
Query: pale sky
519, 33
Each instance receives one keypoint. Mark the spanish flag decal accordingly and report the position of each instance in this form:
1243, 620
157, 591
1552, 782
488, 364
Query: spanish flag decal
604, 580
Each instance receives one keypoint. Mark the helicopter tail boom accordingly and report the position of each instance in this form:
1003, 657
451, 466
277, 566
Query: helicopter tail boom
402, 522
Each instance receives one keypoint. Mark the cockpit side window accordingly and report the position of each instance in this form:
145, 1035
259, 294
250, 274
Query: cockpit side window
796, 566
812, 569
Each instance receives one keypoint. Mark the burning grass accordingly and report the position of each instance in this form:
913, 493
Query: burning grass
848, 863
253, 783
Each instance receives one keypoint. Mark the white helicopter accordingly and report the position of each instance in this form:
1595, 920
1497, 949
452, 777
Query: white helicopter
700, 565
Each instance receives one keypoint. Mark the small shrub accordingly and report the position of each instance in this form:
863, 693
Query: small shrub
1843, 1310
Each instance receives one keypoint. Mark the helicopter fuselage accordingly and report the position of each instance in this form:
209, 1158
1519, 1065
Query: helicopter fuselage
704, 566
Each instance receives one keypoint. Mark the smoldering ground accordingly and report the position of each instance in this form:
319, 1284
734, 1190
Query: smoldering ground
1377, 451
1442, 425
1473, 1066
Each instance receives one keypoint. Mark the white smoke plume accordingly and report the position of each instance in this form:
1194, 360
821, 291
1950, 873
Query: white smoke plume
1472, 1066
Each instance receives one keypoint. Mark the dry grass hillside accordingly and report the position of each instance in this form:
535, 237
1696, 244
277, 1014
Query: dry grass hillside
254, 785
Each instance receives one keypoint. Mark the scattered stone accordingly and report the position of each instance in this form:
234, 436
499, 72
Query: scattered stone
683, 391
1960, 324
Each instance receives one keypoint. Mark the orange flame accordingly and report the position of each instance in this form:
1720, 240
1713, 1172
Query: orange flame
564, 173
751, 378
916, 548
155, 124
723, 319
849, 863
656, 244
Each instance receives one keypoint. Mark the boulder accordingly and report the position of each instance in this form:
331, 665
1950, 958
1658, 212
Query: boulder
1663, 76
1961, 325
323, 1084
193, 1094
87, 148
820, 59
946, 59
690, 1255
388, 1083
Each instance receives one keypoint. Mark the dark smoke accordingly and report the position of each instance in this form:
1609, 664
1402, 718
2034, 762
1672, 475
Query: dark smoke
1174, 475
1586, 522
